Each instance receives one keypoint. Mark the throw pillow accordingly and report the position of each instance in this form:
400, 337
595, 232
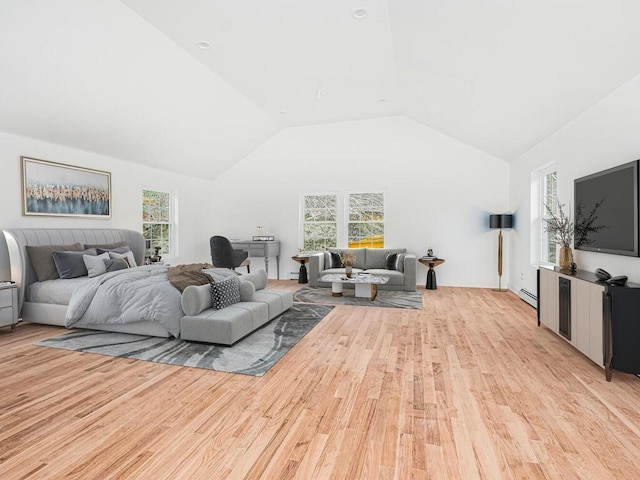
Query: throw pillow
95, 265
113, 264
70, 264
394, 261
390, 261
225, 292
127, 256
42, 259
336, 260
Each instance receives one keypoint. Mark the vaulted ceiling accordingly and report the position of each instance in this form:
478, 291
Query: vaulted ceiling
128, 78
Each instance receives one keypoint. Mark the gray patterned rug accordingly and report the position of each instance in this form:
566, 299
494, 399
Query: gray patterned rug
253, 355
385, 298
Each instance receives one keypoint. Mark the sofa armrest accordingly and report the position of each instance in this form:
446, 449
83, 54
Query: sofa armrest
316, 265
410, 273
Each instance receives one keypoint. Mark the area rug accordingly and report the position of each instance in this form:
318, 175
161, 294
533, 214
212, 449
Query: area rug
385, 298
253, 355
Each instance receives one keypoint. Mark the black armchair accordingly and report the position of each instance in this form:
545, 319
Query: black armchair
223, 255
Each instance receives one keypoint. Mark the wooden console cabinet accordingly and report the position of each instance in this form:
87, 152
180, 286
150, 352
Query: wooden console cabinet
598, 319
571, 306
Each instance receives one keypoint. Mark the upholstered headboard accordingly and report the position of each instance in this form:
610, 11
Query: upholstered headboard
18, 238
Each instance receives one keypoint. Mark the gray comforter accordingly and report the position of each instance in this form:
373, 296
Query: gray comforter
127, 296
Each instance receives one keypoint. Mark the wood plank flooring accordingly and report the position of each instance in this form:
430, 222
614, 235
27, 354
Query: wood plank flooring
468, 388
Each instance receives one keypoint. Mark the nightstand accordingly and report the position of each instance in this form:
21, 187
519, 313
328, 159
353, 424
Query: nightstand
8, 305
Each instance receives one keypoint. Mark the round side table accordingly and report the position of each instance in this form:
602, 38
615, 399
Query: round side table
302, 258
431, 283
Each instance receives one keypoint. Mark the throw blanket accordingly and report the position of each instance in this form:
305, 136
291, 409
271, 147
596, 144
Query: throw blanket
182, 276
127, 296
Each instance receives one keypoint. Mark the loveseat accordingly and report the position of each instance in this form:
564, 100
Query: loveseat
257, 306
395, 263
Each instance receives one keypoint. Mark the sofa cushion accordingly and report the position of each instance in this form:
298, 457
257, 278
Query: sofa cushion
277, 300
395, 278
225, 326
335, 260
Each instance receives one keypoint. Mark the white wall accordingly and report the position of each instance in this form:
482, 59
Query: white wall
439, 191
604, 136
127, 182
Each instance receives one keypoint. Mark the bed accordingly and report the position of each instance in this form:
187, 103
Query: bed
47, 302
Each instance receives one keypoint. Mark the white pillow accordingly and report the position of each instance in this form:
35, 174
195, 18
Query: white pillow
95, 264
128, 256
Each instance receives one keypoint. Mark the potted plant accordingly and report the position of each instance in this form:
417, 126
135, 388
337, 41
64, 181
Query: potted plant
348, 259
559, 224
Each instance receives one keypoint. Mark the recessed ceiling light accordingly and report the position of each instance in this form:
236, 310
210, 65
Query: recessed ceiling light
204, 45
282, 113
382, 100
360, 13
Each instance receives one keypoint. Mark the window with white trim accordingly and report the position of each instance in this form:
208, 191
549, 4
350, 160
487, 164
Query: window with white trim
544, 192
158, 221
319, 221
365, 220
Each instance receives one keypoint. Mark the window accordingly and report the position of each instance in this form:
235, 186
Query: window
319, 224
550, 199
365, 225
544, 191
157, 220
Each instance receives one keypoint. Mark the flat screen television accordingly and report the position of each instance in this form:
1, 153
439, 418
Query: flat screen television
606, 211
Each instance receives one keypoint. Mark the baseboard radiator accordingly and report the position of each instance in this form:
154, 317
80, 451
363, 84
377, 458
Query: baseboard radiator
528, 297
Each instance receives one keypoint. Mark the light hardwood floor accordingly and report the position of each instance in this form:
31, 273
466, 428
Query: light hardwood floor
467, 388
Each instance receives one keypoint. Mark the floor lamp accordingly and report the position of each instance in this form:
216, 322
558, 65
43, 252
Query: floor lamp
500, 221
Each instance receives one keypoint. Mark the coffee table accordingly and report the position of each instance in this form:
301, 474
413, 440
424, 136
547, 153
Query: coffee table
366, 285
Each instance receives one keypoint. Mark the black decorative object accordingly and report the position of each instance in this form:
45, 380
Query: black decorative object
504, 220
573, 267
602, 275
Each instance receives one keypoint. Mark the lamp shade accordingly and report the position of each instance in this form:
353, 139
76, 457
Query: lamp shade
503, 220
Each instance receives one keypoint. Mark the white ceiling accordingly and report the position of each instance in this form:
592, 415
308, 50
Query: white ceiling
125, 78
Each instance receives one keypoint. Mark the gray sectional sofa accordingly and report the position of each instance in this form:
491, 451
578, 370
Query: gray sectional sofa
226, 326
402, 275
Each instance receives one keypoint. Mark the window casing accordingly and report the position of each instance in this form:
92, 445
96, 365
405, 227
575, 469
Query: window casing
550, 200
544, 191
365, 220
319, 221
158, 221
361, 224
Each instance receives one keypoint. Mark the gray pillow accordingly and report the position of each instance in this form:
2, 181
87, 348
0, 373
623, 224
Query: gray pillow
42, 259
127, 257
113, 264
95, 264
70, 264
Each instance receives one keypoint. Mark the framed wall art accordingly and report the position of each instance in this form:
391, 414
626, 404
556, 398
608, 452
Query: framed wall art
56, 189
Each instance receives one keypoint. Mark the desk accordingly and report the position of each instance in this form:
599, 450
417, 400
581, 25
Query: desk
260, 249
302, 258
431, 274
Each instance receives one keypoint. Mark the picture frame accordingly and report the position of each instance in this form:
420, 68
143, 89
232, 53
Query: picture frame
263, 238
61, 190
